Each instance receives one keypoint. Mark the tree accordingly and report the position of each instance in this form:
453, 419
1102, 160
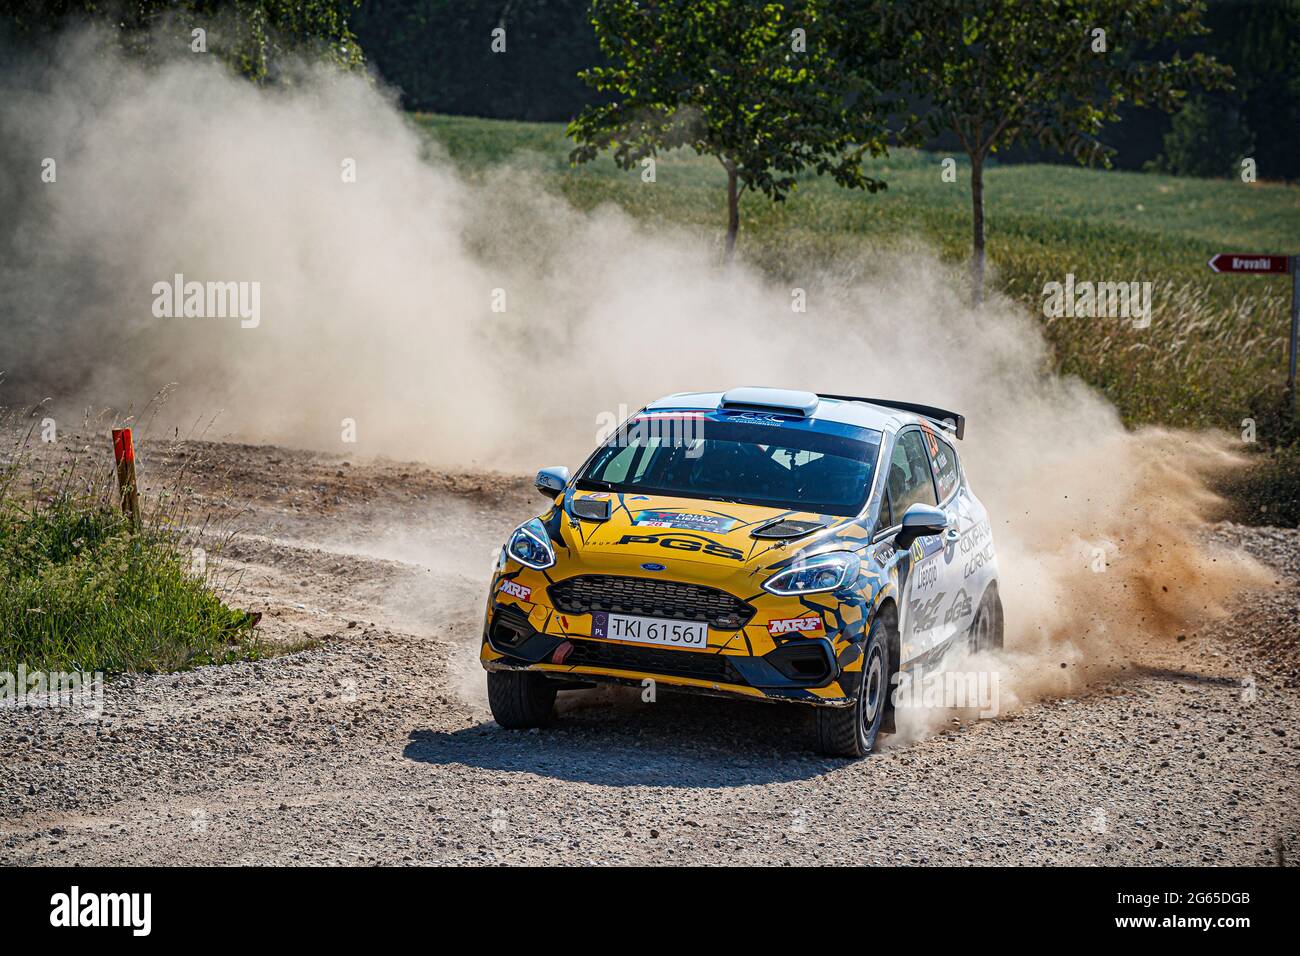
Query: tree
1207, 138
998, 72
746, 82
1261, 42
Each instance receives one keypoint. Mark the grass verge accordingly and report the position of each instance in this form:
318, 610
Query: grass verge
80, 591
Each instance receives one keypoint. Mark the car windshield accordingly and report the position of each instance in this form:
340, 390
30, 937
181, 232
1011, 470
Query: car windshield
763, 464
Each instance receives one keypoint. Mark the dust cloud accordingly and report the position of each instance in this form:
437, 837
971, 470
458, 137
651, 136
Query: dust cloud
376, 306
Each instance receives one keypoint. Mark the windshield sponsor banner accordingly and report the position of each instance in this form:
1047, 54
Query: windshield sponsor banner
815, 426
686, 521
687, 424
752, 418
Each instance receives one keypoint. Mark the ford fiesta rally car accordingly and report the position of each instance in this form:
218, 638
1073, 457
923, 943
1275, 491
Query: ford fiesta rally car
759, 543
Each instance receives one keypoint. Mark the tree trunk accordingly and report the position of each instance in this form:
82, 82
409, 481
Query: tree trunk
733, 211
977, 228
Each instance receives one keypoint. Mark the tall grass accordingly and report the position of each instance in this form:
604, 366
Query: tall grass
1213, 353
80, 591
1213, 356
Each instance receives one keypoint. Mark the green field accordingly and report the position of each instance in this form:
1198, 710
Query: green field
1213, 355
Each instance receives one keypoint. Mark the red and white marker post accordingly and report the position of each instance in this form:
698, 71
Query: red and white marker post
124, 455
1270, 265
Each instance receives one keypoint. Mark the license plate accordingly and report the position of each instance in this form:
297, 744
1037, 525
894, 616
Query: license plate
650, 630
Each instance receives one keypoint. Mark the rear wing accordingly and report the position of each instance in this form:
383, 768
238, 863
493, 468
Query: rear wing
945, 419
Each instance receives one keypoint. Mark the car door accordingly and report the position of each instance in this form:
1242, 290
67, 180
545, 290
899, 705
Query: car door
961, 597
970, 564
910, 480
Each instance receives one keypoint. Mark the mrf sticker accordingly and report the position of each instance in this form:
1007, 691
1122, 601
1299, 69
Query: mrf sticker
515, 589
810, 624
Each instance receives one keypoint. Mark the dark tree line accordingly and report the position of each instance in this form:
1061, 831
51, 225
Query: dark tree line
436, 52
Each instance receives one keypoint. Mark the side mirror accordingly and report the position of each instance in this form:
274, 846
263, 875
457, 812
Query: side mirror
552, 481
920, 521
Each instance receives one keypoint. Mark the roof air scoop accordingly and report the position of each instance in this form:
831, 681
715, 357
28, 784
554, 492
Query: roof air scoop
781, 401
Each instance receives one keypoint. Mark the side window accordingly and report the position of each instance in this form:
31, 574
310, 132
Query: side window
886, 519
945, 469
909, 474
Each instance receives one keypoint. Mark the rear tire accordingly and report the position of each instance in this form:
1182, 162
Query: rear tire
852, 731
985, 632
520, 700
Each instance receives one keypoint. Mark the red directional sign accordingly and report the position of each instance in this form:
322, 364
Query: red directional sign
1234, 262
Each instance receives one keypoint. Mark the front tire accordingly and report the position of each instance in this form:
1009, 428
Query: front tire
852, 731
520, 700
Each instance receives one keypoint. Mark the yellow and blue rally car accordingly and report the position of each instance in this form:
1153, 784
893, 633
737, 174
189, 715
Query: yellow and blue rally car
761, 543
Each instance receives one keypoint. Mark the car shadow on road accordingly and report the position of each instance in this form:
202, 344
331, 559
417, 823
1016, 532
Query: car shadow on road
678, 742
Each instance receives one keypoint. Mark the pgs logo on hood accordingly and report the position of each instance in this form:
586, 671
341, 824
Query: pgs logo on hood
685, 542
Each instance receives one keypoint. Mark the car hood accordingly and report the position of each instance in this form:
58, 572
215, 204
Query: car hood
713, 540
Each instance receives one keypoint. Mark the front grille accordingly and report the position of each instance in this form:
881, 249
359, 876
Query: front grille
703, 665
650, 598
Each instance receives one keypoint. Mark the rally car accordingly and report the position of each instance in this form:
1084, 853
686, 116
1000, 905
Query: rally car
759, 543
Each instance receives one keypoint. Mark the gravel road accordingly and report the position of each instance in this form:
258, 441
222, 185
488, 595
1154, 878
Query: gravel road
373, 744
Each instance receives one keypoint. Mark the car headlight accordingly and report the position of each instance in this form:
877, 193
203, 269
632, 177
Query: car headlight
826, 572
531, 546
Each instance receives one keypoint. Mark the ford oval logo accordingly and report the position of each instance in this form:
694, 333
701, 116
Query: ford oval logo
651, 566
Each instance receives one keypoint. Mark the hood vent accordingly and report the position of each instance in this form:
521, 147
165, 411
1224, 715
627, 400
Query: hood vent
593, 509
787, 528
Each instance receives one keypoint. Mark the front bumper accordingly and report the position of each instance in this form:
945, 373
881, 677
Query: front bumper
822, 669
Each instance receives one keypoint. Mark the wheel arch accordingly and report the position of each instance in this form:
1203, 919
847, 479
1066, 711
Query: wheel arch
887, 613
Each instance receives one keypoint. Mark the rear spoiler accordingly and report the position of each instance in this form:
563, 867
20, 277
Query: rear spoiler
945, 419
